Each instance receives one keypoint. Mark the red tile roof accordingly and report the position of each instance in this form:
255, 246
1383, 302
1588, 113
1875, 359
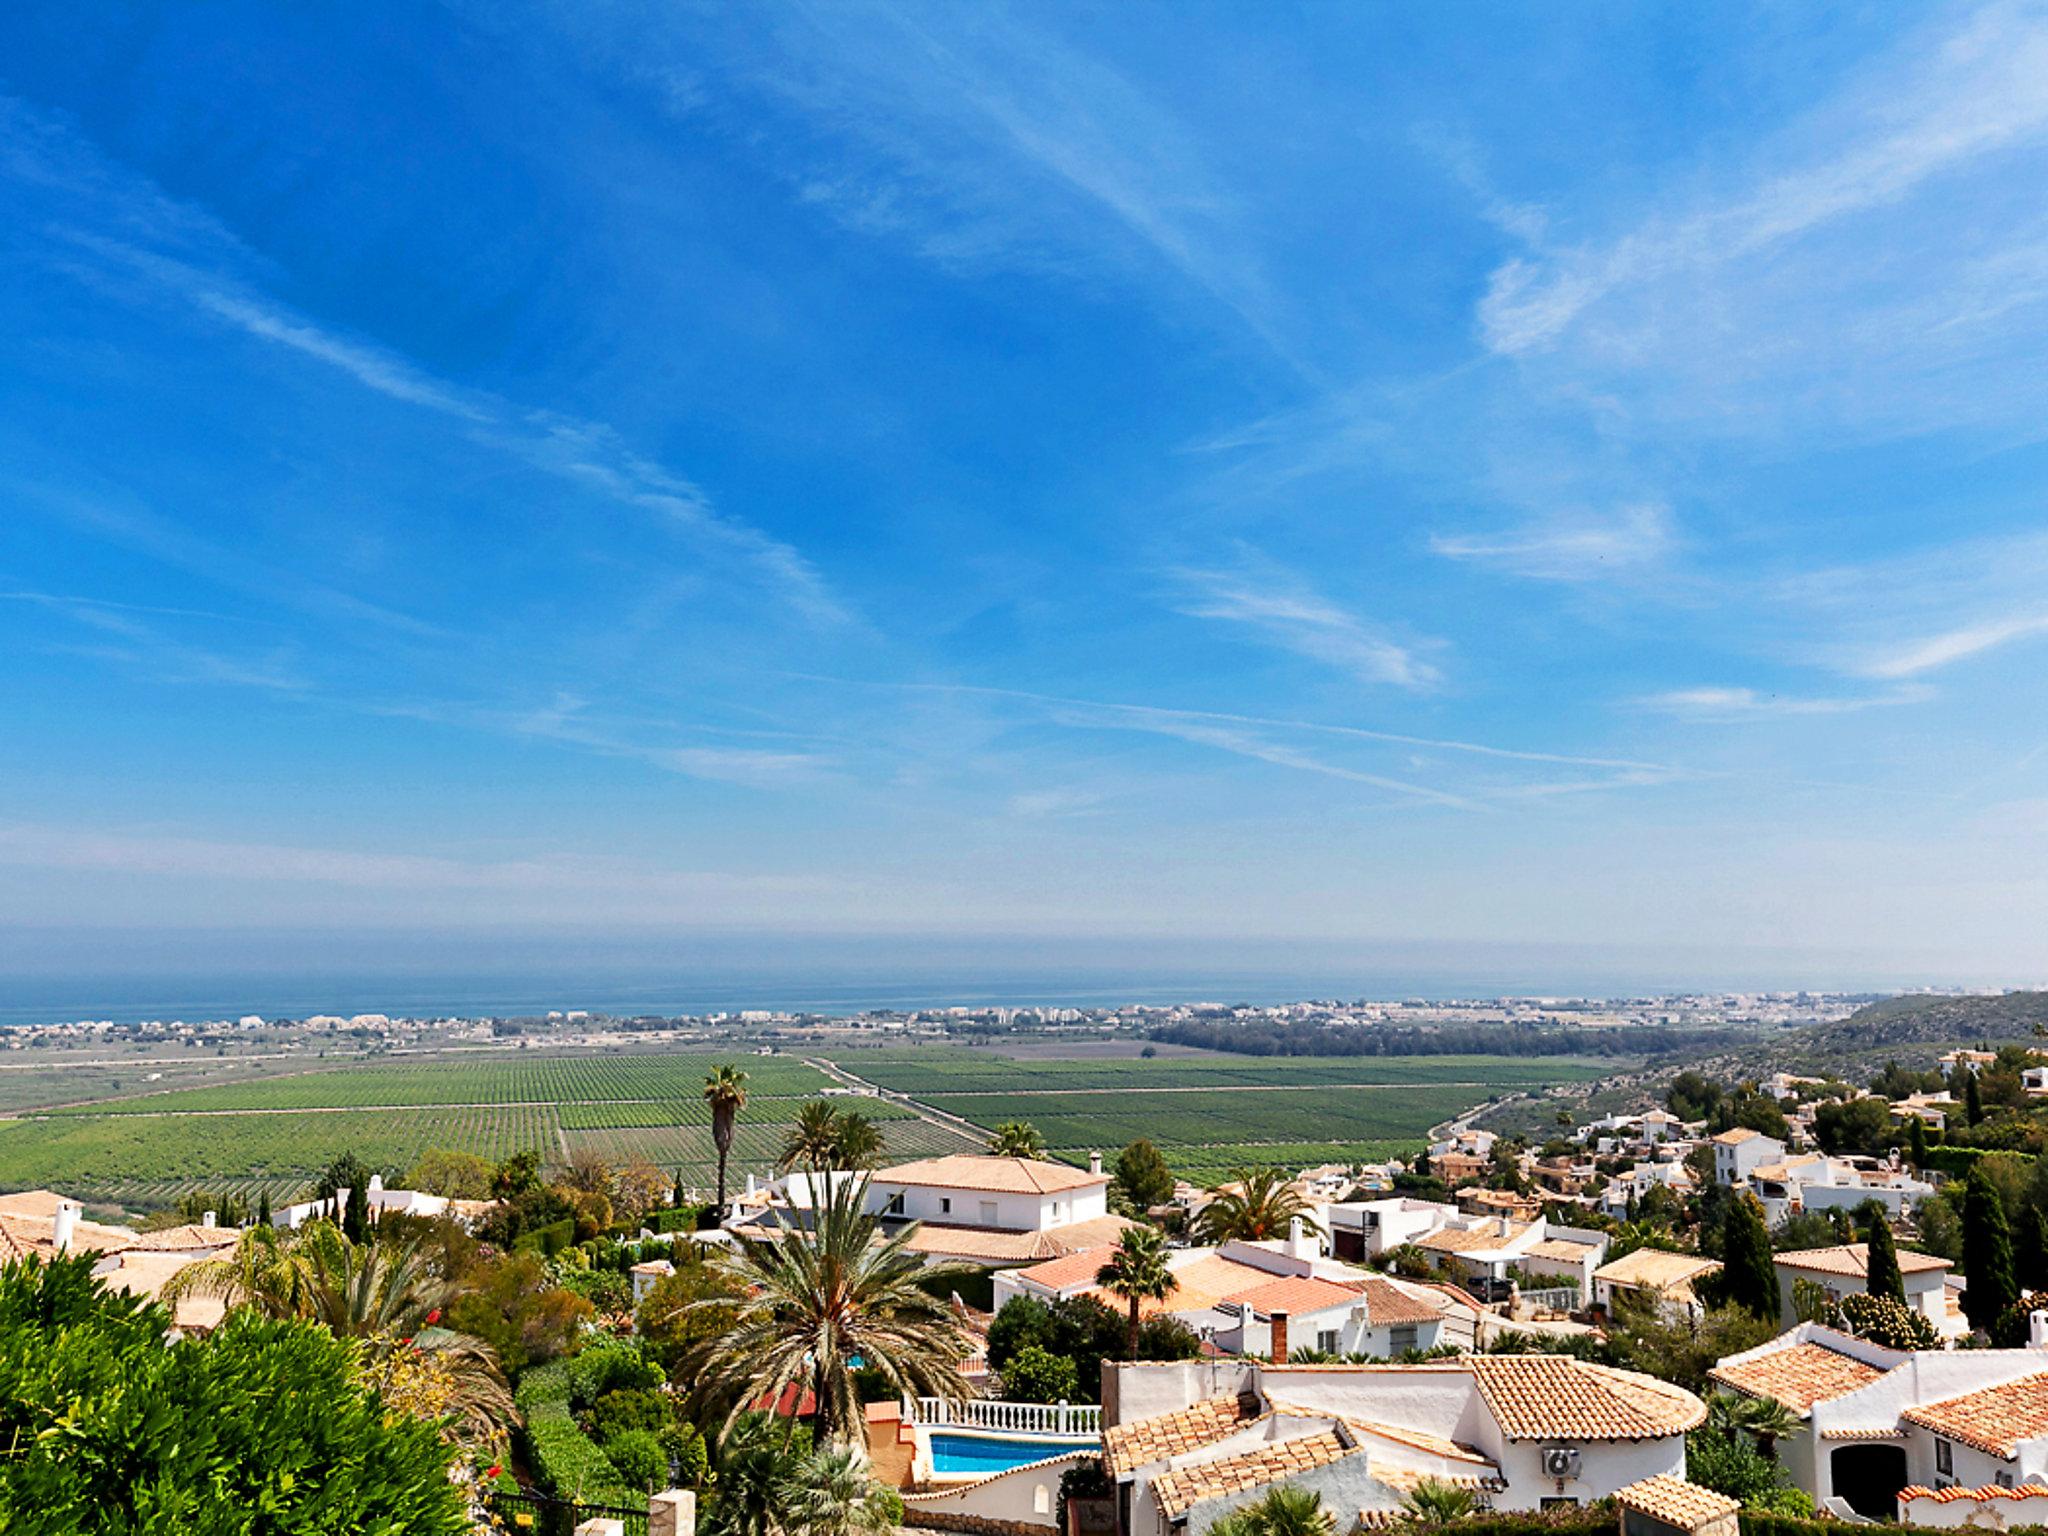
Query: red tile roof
1798, 1376
1994, 1420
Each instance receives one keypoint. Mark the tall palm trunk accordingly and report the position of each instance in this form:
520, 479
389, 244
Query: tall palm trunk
1131, 1337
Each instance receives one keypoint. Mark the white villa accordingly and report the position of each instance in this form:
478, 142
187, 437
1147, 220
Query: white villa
1845, 1271
1265, 1298
1931, 1437
1188, 1442
383, 1202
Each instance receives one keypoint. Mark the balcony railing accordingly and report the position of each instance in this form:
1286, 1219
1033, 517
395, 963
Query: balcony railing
1015, 1418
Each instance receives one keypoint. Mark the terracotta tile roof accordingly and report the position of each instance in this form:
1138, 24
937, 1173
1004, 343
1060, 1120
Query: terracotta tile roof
995, 1247
24, 1235
1853, 1259
1655, 1270
998, 1175
1978, 1495
1994, 1420
1126, 1447
1799, 1376
1077, 1268
1557, 1248
1736, 1137
1294, 1295
1534, 1397
32, 1202
189, 1236
1674, 1501
1387, 1305
1484, 1239
1180, 1490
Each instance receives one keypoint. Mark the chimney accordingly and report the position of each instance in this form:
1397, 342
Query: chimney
1279, 1338
2037, 1330
376, 1183
64, 1227
1095, 1162
207, 1218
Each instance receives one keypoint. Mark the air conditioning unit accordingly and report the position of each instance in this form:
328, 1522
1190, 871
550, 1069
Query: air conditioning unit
1561, 1462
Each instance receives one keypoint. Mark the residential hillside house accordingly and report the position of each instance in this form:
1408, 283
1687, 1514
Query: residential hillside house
1187, 1442
382, 1202
1845, 1271
42, 1224
1931, 1437
1263, 1298
1651, 1274
1740, 1152
1811, 1182
997, 1211
1628, 1187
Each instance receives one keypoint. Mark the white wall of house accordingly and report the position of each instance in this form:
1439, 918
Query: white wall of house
1924, 1293
1389, 1223
1347, 1485
984, 1208
1733, 1161
1022, 1496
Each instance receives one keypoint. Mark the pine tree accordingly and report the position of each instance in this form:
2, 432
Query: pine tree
1916, 1143
1748, 1278
1882, 1276
1987, 1253
1973, 1102
263, 1211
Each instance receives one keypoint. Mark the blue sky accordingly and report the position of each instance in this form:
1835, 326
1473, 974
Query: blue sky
1374, 473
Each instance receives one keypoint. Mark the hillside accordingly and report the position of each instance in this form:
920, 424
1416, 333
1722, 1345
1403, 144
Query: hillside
1926, 1021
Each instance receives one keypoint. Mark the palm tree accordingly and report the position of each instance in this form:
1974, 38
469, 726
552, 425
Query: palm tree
362, 1290
813, 1140
274, 1272
1434, 1502
829, 1493
726, 1092
1017, 1138
1284, 1511
1255, 1206
1764, 1417
860, 1141
1138, 1272
813, 1301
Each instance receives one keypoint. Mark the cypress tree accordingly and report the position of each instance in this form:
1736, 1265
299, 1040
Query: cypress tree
1916, 1143
1973, 1102
676, 1196
1987, 1253
263, 1211
2030, 1250
1882, 1276
1748, 1278
355, 1218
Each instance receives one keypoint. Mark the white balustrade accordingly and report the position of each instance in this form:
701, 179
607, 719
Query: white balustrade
1017, 1418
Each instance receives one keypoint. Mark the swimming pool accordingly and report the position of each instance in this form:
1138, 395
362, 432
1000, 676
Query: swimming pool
956, 1453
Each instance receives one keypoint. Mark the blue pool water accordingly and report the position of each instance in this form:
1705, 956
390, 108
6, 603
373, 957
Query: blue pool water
957, 1453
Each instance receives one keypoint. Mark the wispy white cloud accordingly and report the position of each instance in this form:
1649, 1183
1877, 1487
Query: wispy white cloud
1976, 92
566, 719
1051, 804
1721, 704
1933, 652
209, 280
146, 647
1571, 548
1285, 612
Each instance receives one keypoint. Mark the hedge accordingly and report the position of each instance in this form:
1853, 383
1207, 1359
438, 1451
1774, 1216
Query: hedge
681, 1218
565, 1461
550, 1240
1957, 1162
1758, 1523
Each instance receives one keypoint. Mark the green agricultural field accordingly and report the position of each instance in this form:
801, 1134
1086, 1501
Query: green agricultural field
1212, 1165
950, 1070
688, 1149
1203, 1116
695, 1112
488, 1079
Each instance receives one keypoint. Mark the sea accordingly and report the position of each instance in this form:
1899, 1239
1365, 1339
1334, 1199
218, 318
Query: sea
131, 978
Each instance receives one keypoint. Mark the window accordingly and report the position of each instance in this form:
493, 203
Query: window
1041, 1500
1402, 1338
945, 1204
895, 1205
988, 1213
2003, 1479
1944, 1458
1326, 1340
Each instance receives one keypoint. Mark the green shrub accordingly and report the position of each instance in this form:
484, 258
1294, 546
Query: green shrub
1037, 1375
565, 1461
550, 1239
641, 1461
263, 1424
619, 1413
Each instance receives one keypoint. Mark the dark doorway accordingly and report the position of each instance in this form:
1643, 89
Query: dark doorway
1869, 1477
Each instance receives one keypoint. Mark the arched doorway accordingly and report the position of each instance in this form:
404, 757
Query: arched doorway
1868, 1478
